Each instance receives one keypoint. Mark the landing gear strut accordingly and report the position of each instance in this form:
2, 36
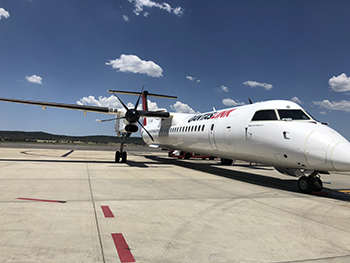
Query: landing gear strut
121, 156
308, 184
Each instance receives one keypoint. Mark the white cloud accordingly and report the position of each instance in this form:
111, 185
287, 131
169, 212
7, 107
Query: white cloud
296, 100
133, 64
113, 102
179, 11
141, 4
231, 103
222, 89
254, 84
193, 78
4, 13
342, 105
180, 107
340, 83
35, 79
126, 18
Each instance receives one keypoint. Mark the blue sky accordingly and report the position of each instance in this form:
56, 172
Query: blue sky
208, 53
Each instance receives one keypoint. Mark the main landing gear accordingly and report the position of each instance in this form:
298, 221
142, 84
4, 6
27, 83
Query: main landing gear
308, 184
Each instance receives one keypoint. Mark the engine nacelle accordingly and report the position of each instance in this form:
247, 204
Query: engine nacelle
122, 127
131, 128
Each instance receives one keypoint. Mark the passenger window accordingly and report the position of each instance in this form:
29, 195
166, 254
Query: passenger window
265, 115
289, 115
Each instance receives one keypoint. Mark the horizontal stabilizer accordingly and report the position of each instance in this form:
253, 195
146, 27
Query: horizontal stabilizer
140, 93
154, 114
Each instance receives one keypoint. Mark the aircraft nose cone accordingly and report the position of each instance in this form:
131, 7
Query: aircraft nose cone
340, 156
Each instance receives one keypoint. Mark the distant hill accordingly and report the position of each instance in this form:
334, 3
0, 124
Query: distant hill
42, 137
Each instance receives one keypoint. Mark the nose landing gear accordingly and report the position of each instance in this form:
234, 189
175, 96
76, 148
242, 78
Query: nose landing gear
121, 156
308, 184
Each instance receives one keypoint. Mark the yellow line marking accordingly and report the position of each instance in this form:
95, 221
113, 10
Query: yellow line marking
344, 191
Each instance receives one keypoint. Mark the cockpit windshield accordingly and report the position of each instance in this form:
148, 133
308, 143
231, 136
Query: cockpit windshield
289, 115
265, 115
284, 115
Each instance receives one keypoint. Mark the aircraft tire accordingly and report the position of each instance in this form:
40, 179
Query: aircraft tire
124, 157
226, 161
305, 184
187, 156
117, 156
317, 184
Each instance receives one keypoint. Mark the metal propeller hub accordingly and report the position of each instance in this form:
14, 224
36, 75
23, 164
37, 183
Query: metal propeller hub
132, 116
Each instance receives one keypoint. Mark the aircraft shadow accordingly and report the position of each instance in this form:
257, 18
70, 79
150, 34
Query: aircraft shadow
252, 178
289, 185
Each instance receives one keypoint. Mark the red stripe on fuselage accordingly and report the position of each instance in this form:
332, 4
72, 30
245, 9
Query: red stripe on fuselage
222, 114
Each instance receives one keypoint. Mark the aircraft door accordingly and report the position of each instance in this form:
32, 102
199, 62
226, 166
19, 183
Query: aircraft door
212, 141
228, 134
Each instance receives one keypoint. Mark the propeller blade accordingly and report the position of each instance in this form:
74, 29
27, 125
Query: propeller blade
250, 101
106, 120
138, 100
146, 131
125, 107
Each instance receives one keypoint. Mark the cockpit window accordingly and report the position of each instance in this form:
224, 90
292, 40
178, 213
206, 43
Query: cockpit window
265, 115
289, 115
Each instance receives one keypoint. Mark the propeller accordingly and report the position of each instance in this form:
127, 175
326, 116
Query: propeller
106, 120
132, 116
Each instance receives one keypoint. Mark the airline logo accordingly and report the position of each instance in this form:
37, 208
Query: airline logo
211, 115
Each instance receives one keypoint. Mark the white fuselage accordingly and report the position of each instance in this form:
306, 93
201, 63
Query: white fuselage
241, 133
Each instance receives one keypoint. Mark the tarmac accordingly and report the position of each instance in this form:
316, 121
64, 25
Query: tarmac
74, 204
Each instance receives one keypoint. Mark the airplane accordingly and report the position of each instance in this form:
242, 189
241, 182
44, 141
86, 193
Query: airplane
276, 132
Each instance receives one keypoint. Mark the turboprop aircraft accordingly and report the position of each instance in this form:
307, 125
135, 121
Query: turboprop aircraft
278, 133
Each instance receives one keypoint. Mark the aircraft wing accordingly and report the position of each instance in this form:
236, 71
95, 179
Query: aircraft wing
84, 108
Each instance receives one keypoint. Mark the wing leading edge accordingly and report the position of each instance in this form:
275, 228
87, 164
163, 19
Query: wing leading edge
84, 108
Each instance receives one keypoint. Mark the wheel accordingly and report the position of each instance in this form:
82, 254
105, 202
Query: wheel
124, 156
117, 156
305, 184
317, 184
187, 156
226, 161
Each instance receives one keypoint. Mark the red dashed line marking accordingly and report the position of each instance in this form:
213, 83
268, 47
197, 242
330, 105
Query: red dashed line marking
122, 247
107, 211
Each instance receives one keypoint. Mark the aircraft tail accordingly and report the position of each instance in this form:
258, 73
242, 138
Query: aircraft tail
144, 106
